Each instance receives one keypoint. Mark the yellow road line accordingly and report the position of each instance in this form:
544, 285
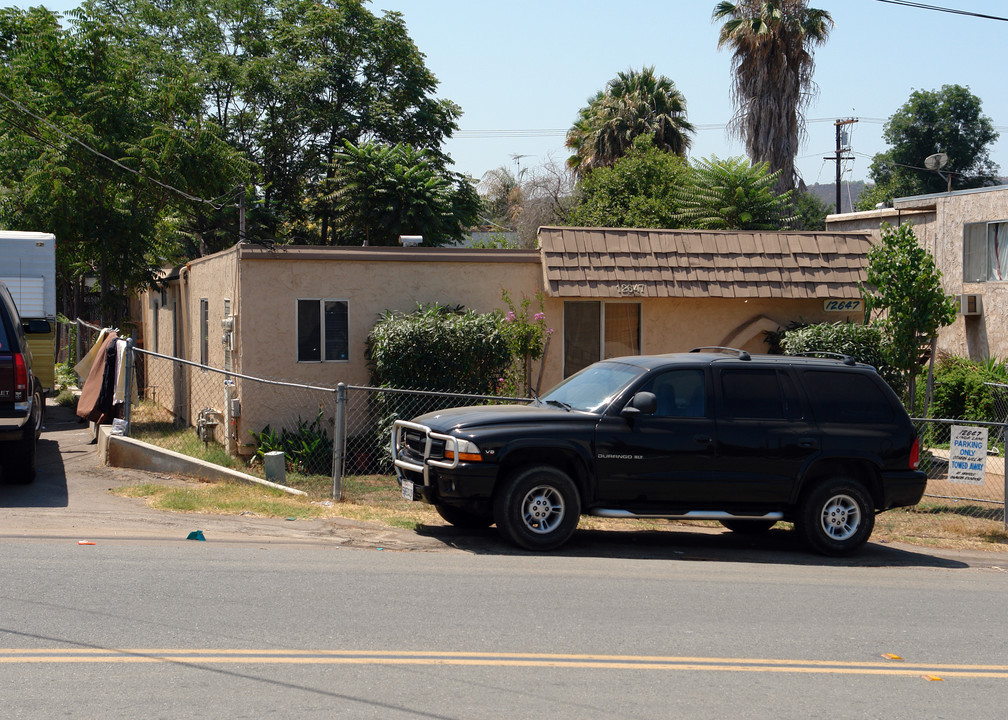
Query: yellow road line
476, 659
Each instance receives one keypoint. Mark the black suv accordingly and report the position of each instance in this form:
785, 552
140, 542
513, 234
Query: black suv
713, 434
22, 402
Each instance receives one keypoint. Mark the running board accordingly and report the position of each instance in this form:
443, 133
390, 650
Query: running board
690, 515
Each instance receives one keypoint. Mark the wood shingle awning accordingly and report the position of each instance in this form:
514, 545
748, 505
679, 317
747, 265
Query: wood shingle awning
611, 263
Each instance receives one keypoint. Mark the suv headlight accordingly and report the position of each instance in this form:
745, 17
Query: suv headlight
467, 451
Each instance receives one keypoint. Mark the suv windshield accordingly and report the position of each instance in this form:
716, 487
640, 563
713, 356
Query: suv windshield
593, 388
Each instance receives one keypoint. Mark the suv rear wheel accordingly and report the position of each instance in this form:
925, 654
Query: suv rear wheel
837, 517
538, 508
38, 410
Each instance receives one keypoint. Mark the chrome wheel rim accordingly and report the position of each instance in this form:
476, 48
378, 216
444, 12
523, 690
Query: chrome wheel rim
841, 517
38, 399
542, 509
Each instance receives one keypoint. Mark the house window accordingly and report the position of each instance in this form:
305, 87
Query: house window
204, 331
985, 252
322, 331
595, 330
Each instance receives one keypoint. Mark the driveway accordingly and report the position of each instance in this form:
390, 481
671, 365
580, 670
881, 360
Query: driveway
70, 499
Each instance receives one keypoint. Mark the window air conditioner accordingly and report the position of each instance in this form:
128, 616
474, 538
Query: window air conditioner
970, 304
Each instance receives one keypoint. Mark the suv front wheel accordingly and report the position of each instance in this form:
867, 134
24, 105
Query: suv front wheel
538, 508
837, 517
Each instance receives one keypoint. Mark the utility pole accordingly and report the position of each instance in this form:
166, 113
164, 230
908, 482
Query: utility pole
841, 148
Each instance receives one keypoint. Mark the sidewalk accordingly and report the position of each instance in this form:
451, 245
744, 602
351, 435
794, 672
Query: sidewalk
70, 499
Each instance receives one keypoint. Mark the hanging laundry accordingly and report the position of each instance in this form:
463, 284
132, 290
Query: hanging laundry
89, 404
83, 368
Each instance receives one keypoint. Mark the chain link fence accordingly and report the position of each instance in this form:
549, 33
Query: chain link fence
370, 413
965, 462
328, 433
239, 421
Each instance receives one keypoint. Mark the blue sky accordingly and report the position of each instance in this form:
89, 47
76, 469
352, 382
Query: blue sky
522, 69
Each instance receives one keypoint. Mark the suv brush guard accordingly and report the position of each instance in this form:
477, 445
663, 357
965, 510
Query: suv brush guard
399, 429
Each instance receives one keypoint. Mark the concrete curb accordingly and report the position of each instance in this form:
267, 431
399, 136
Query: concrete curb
121, 451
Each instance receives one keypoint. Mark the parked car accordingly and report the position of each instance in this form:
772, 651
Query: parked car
22, 401
713, 434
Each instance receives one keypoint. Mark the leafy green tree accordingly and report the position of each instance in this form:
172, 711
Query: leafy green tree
633, 103
772, 43
732, 194
98, 147
811, 211
947, 121
638, 190
288, 82
384, 191
904, 297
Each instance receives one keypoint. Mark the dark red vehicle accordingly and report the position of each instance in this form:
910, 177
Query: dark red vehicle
22, 402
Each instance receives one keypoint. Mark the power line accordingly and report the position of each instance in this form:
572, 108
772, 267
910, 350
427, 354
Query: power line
559, 132
98, 153
939, 8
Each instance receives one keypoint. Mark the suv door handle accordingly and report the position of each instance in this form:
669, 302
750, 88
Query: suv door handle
808, 443
705, 440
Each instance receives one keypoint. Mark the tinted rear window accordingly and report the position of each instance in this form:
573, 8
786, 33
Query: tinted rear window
847, 397
754, 394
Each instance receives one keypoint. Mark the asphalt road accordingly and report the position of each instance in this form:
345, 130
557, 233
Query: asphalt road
331, 619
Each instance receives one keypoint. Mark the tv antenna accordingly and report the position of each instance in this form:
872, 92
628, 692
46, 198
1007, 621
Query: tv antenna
935, 163
517, 158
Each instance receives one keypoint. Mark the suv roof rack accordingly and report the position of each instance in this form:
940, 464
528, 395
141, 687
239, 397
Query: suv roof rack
742, 354
847, 359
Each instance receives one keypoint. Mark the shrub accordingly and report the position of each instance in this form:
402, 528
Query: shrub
960, 392
526, 337
438, 348
308, 450
864, 343
433, 348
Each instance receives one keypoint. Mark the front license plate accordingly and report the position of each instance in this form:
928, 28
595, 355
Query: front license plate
407, 489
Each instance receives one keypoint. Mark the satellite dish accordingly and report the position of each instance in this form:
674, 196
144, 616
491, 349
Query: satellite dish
936, 162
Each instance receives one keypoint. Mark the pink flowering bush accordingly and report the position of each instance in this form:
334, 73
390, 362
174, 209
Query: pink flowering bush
527, 339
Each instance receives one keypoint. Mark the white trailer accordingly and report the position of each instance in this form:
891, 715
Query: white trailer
28, 268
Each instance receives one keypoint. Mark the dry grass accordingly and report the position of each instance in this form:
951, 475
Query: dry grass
377, 498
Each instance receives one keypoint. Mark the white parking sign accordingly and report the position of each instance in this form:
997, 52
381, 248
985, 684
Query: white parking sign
967, 455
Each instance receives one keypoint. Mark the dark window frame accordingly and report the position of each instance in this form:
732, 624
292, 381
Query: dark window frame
326, 351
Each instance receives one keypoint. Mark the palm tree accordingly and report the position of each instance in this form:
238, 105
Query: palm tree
772, 64
633, 103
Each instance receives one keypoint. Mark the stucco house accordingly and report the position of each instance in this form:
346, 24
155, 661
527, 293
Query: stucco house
966, 232
302, 314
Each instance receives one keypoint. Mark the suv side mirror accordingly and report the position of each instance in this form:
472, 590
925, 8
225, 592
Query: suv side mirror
37, 327
643, 403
